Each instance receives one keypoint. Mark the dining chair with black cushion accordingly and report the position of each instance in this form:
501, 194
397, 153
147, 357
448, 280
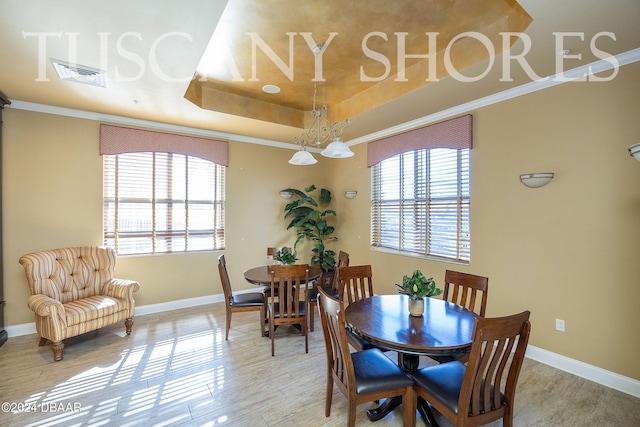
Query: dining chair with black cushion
469, 291
343, 261
483, 391
289, 307
250, 301
363, 376
355, 283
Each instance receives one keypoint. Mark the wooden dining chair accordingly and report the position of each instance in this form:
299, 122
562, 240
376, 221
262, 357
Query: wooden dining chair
251, 301
482, 391
289, 305
343, 261
363, 376
469, 291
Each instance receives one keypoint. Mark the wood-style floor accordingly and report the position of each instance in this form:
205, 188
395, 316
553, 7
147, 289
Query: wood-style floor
176, 369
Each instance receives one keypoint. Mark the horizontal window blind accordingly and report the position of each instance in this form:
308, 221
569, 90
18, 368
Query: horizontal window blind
162, 203
420, 203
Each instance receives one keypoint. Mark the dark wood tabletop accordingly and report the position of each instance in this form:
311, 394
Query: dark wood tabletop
444, 328
262, 275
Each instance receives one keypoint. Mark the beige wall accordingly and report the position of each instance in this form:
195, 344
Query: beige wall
568, 250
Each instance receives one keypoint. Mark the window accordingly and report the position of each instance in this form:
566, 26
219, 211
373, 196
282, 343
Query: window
162, 203
420, 203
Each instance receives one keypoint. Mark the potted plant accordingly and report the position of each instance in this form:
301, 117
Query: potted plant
285, 256
417, 288
309, 219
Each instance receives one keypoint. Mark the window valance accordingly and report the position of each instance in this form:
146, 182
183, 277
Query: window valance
453, 133
118, 140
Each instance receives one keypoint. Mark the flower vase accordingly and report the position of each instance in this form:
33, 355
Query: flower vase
416, 306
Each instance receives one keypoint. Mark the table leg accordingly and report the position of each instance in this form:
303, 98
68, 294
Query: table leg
387, 406
425, 411
408, 363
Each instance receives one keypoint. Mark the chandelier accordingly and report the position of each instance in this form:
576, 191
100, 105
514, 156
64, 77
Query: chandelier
320, 132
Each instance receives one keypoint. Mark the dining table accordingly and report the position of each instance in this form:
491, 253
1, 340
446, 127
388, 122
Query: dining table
262, 275
444, 329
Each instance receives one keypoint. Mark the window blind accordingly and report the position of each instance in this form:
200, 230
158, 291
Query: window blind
420, 203
162, 203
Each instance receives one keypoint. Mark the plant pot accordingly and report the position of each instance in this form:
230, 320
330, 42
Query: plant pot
416, 306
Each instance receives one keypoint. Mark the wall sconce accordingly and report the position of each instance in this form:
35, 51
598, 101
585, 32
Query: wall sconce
286, 194
535, 180
350, 194
634, 151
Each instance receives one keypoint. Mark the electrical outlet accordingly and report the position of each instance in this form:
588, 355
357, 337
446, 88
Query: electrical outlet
560, 325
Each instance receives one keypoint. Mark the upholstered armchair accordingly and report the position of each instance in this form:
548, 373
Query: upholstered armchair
73, 291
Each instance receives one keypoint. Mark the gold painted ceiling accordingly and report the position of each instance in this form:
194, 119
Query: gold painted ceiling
260, 42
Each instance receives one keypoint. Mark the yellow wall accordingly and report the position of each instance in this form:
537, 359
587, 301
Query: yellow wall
569, 250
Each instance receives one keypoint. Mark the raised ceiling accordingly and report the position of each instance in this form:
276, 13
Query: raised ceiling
152, 50
350, 48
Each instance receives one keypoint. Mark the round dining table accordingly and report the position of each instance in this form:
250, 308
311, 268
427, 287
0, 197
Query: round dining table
444, 329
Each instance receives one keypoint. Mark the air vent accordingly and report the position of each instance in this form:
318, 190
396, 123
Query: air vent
80, 73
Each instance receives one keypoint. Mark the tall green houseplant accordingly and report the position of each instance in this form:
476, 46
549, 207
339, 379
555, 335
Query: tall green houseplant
309, 219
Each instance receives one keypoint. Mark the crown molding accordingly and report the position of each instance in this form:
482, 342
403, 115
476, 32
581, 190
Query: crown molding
622, 59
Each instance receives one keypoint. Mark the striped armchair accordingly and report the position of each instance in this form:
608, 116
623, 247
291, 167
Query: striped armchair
73, 291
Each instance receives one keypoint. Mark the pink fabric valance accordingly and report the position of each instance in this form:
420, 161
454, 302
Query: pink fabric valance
118, 140
453, 133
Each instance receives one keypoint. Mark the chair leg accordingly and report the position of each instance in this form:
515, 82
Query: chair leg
42, 341
327, 405
271, 334
262, 318
57, 348
312, 306
128, 323
351, 414
306, 338
228, 325
409, 404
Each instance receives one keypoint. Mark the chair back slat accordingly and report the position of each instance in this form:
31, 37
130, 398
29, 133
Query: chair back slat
467, 290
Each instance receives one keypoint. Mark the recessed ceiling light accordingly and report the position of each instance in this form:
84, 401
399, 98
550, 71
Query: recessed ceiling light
270, 89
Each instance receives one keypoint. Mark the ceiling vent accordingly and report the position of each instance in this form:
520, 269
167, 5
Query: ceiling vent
80, 73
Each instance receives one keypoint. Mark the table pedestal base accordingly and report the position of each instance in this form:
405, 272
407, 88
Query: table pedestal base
408, 363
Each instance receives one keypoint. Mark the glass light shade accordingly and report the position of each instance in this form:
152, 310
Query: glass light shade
535, 180
634, 151
337, 150
286, 194
303, 158
350, 194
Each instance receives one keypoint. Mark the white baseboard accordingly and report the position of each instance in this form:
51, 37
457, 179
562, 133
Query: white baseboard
584, 370
573, 366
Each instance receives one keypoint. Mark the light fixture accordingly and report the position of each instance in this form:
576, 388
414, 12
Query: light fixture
320, 132
303, 157
535, 180
350, 194
634, 151
286, 194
